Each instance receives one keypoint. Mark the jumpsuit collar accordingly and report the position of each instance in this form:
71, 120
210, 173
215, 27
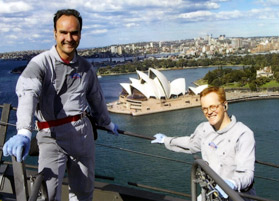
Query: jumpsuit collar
58, 58
229, 126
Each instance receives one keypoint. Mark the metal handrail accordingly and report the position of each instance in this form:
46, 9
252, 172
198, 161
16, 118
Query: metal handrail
39, 184
201, 163
233, 195
197, 163
131, 134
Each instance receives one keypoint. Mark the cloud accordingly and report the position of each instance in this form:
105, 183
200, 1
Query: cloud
129, 25
229, 15
12, 37
8, 28
196, 16
269, 2
98, 31
35, 36
14, 7
133, 20
212, 5
256, 14
121, 5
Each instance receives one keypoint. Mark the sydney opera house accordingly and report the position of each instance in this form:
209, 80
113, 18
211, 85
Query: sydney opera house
152, 93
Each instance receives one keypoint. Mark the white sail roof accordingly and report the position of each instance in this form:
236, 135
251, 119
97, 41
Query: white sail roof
178, 86
199, 89
155, 84
143, 76
149, 85
141, 88
126, 87
133, 80
160, 80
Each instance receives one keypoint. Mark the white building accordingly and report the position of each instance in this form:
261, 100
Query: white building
152, 93
119, 50
265, 72
154, 85
113, 49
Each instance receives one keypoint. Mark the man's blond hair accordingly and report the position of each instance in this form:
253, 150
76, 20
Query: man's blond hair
218, 90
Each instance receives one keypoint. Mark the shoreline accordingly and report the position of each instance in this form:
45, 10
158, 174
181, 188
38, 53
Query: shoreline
177, 68
152, 106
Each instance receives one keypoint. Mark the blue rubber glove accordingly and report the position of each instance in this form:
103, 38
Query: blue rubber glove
221, 192
159, 138
18, 146
113, 128
231, 184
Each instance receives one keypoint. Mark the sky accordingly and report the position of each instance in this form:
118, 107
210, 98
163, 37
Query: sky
28, 24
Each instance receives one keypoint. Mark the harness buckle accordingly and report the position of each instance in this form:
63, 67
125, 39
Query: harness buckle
36, 126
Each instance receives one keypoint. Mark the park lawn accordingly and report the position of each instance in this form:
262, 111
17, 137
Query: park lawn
272, 83
235, 85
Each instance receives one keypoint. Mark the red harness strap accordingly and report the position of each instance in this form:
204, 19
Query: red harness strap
58, 122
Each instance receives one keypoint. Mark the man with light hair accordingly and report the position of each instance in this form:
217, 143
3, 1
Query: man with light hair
228, 146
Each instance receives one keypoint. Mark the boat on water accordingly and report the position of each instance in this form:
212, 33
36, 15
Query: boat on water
20, 181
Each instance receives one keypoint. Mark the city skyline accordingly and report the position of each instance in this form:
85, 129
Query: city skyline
27, 25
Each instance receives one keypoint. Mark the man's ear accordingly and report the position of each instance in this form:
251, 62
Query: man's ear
226, 106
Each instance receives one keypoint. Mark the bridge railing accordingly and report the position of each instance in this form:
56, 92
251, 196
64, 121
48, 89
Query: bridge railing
201, 175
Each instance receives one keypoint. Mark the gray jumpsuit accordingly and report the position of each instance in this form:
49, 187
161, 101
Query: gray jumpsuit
230, 152
52, 90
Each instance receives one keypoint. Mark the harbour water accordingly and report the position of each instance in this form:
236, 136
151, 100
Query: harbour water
139, 163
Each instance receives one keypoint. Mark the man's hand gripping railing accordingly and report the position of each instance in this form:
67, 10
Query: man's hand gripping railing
203, 175
37, 183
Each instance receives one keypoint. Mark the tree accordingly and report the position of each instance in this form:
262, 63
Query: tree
253, 86
276, 76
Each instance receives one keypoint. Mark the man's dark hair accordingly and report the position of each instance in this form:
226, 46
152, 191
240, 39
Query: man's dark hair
67, 12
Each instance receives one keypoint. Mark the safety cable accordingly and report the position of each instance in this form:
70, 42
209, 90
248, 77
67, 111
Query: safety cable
6, 124
144, 154
166, 158
146, 138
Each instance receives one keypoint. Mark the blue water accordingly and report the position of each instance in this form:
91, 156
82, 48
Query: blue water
261, 116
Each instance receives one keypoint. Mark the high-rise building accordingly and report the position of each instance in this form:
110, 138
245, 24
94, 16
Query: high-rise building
222, 37
119, 50
113, 49
236, 43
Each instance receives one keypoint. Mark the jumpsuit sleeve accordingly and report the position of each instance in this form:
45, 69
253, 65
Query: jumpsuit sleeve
97, 102
187, 144
245, 160
28, 90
